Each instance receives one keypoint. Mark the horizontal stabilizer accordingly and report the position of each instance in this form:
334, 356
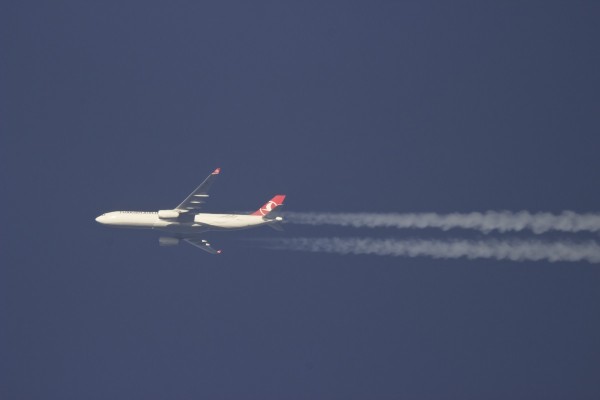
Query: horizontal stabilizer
276, 225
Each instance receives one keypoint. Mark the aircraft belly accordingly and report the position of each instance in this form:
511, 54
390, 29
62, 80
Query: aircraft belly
182, 228
228, 221
133, 221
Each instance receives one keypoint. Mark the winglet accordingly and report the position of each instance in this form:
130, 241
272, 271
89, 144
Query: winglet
219, 251
270, 205
216, 171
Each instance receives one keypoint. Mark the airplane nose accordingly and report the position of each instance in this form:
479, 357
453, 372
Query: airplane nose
100, 219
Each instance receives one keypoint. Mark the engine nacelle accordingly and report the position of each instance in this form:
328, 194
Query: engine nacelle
168, 214
167, 241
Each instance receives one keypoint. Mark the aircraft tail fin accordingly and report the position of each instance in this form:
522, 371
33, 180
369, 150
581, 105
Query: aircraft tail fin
274, 204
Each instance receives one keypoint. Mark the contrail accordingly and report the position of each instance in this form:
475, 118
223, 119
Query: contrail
513, 250
502, 221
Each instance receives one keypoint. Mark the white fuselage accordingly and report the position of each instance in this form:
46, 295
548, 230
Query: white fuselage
184, 224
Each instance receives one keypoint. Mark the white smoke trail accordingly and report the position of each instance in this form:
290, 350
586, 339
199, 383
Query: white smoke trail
502, 221
513, 250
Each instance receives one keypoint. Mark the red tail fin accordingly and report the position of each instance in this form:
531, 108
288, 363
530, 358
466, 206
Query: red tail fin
270, 205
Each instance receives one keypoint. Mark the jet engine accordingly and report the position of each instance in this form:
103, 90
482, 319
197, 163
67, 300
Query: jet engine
167, 241
168, 214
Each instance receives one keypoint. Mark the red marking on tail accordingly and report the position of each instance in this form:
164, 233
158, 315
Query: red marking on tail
270, 205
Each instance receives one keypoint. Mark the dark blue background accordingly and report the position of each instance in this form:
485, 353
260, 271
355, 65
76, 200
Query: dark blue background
343, 106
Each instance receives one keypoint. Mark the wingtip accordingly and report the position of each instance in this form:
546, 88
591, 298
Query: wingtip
217, 171
219, 251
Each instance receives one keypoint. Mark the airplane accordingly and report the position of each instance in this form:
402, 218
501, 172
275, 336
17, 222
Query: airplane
186, 222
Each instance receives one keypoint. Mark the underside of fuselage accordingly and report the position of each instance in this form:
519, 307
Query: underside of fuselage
192, 223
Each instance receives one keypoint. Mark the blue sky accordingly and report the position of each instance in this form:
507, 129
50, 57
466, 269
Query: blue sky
343, 106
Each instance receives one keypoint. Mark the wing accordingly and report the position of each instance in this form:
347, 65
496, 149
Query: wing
194, 201
202, 244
